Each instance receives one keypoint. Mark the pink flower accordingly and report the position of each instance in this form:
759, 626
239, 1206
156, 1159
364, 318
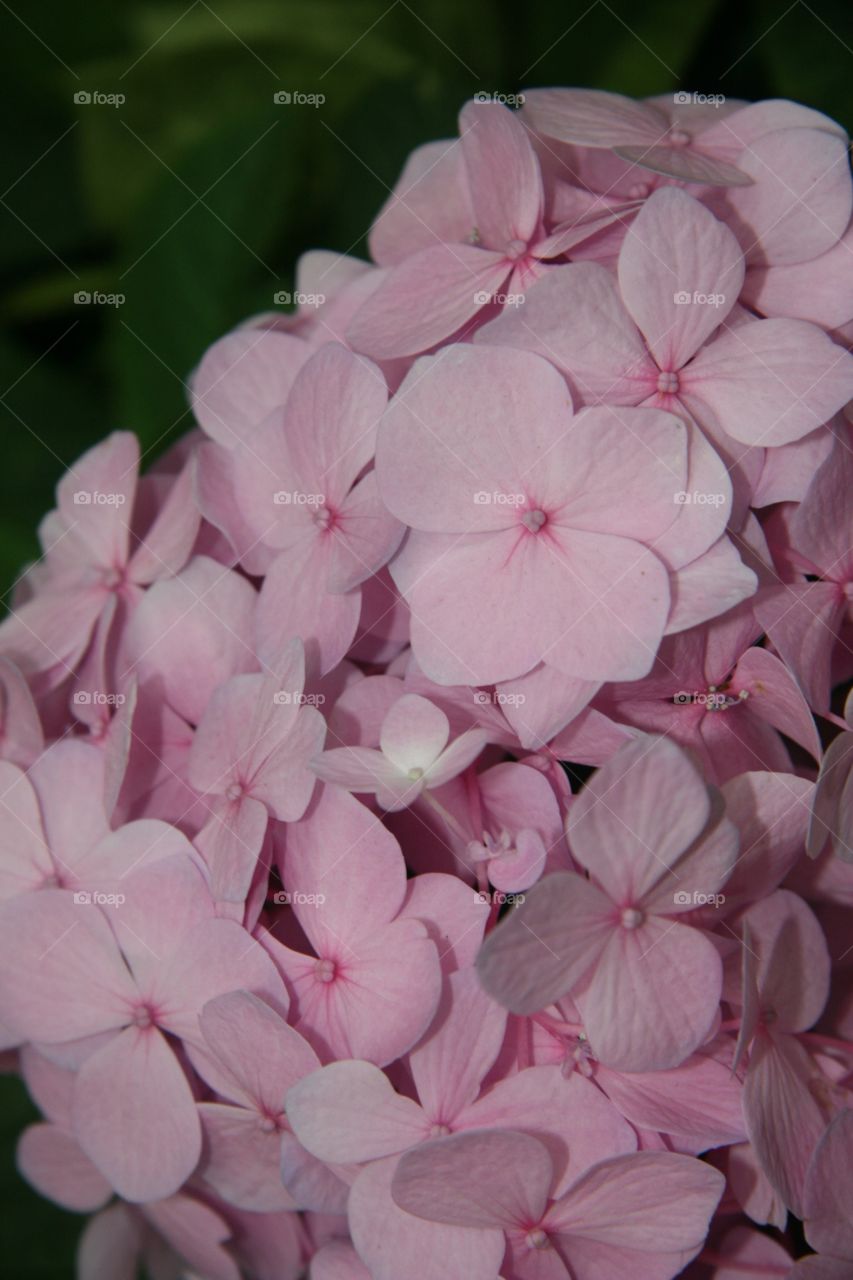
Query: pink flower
517, 518
648, 834
503, 1184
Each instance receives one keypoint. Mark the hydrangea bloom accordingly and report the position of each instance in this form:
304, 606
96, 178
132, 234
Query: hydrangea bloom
425, 796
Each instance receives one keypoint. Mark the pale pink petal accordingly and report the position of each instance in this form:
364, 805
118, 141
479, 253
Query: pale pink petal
547, 945
427, 298
366, 536
449, 1065
95, 498
197, 1235
710, 585
61, 976
169, 540
700, 1099
393, 1243
430, 203
51, 1161
348, 1112
676, 250
462, 752
772, 381
775, 698
240, 1159
503, 173
242, 378
25, 862
827, 1191
481, 1178
593, 118
414, 733
575, 317
337, 1260
802, 621
653, 997
110, 1245
21, 736
256, 1055
686, 165
135, 1117
292, 603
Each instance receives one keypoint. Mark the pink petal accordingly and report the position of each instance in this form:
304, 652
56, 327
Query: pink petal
710, 585
547, 945
434, 470
686, 164
700, 1099
775, 698
676, 249
653, 997
503, 173
784, 1119
827, 1190
575, 317
430, 203
337, 1260
793, 969
95, 498
830, 804
242, 379
110, 1245
366, 534
593, 118
426, 298
348, 1112
648, 1212
241, 1159
52, 1162
25, 862
802, 621
62, 976
135, 1117
21, 736
393, 1243
169, 539
196, 1234
482, 1178
449, 1065
772, 381
256, 1055
291, 604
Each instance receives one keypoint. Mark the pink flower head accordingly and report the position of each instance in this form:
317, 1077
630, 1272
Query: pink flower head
414, 755
503, 1184
525, 543
651, 838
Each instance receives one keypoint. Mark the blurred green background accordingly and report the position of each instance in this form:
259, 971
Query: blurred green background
194, 197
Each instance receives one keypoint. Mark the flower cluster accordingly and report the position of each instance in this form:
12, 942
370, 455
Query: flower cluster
418, 855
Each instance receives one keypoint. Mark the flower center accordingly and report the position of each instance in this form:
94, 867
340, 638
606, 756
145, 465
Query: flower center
270, 1123
631, 918
639, 191
439, 1131
234, 791
143, 1016
325, 970
668, 383
537, 1239
515, 249
415, 774
534, 520
112, 579
323, 517
678, 138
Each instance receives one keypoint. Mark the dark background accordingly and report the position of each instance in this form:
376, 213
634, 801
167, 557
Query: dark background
195, 197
